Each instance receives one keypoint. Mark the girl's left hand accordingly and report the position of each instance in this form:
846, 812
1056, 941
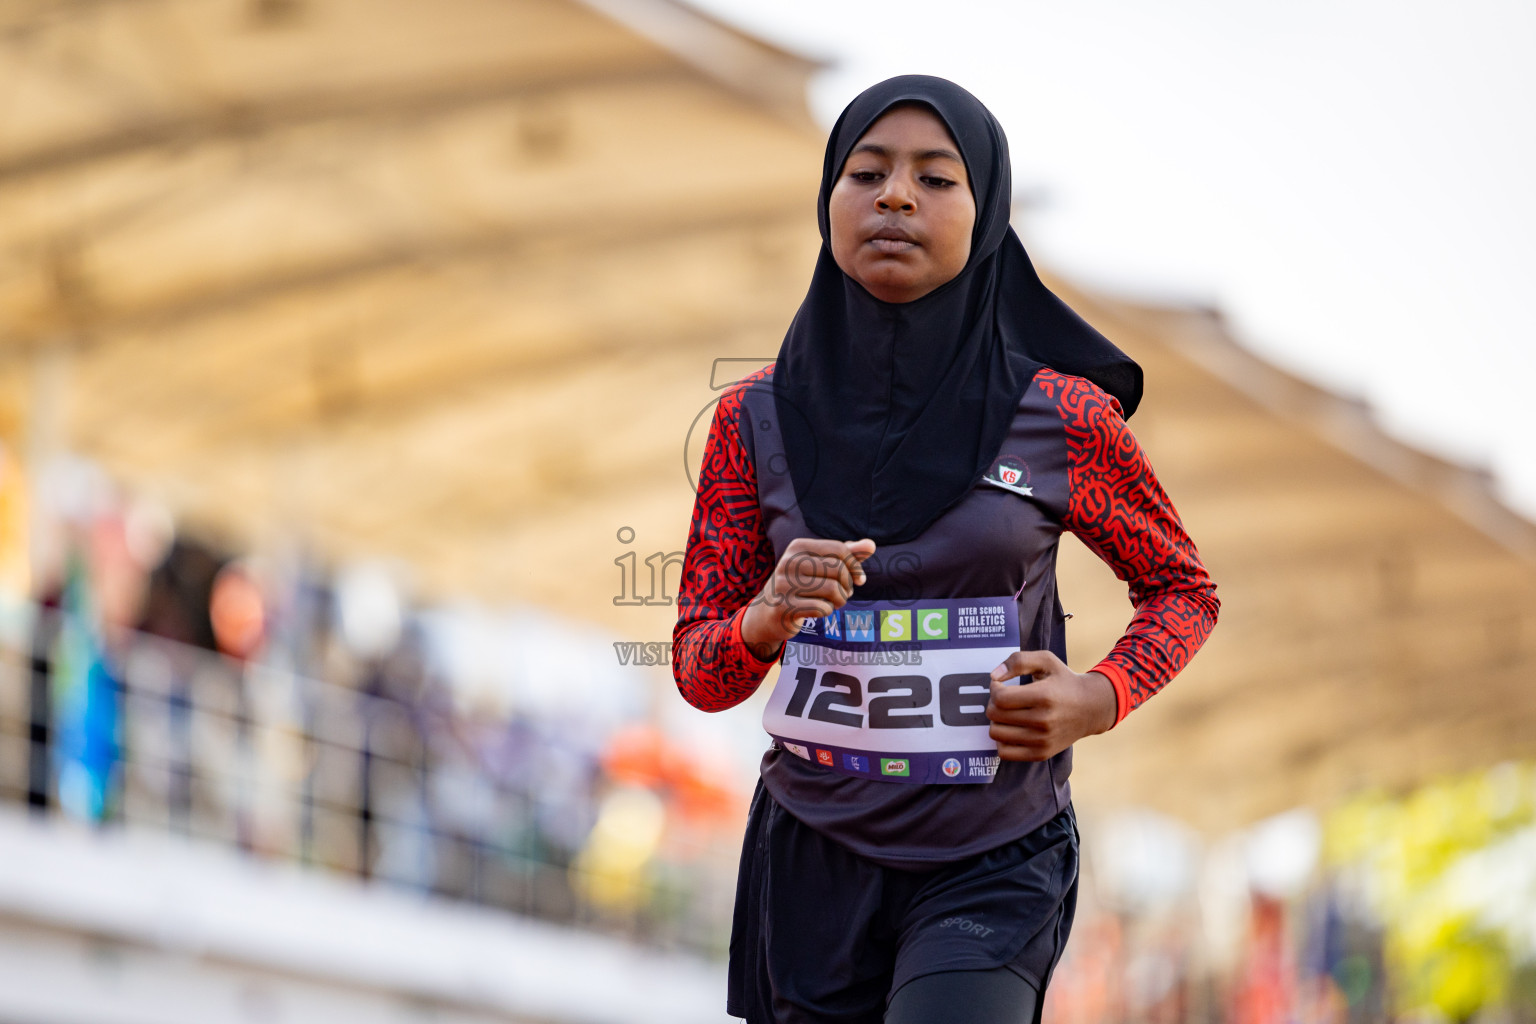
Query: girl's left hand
1039, 718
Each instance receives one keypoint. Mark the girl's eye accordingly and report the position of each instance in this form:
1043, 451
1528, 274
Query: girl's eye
865, 176
938, 182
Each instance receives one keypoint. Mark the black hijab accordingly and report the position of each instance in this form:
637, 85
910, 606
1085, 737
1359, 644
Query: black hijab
891, 412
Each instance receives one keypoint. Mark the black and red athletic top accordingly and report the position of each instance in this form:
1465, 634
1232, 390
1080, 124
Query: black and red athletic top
1078, 467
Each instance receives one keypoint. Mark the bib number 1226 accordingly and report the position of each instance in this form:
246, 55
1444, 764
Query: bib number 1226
895, 701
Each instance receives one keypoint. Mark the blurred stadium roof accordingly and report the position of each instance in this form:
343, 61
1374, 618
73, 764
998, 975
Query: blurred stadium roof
422, 279
1378, 622
448, 283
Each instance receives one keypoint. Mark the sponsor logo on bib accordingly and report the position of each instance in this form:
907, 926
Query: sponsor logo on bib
894, 766
951, 766
933, 623
896, 624
798, 750
859, 626
824, 757
856, 762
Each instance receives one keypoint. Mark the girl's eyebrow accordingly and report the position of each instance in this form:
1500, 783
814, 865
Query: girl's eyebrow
927, 154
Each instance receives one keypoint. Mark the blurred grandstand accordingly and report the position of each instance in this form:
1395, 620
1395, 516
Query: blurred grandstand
350, 353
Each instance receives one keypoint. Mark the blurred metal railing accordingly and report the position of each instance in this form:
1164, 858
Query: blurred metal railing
412, 794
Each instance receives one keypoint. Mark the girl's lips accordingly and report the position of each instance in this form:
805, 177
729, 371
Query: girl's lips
892, 244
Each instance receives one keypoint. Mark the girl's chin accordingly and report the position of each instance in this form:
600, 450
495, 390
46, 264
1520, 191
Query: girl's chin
903, 287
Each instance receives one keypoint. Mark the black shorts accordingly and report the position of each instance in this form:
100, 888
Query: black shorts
823, 935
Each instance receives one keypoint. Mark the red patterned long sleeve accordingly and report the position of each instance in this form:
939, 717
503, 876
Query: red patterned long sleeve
728, 560
1120, 511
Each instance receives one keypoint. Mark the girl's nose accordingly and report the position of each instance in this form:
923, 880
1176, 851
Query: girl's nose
895, 196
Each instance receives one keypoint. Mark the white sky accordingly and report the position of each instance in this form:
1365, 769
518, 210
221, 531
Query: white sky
1352, 181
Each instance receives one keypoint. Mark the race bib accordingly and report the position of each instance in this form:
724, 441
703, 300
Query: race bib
895, 691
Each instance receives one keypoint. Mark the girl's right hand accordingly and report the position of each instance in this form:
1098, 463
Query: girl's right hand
814, 578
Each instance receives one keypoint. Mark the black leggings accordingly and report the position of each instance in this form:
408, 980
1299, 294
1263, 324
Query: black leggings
998, 996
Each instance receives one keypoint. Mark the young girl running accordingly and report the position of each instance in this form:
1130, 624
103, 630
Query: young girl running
880, 511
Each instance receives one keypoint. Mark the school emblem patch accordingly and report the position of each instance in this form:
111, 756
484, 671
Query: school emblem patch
1010, 473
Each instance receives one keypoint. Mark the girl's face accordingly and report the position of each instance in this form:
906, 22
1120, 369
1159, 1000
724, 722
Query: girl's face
901, 212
